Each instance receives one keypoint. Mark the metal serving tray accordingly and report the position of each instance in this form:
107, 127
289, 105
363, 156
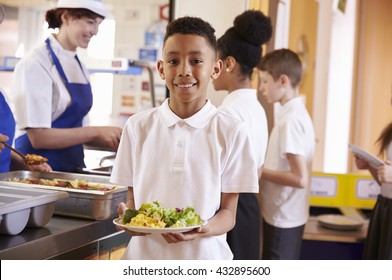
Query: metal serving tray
103, 170
88, 204
21, 207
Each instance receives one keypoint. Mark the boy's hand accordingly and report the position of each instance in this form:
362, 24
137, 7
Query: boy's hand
121, 211
186, 236
121, 208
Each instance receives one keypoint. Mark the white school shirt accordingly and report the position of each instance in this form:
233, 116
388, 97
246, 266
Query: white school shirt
180, 163
293, 132
38, 91
243, 104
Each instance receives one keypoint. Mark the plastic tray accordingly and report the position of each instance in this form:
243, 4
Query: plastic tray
21, 207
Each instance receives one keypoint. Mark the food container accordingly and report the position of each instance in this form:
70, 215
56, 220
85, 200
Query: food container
87, 204
103, 170
21, 207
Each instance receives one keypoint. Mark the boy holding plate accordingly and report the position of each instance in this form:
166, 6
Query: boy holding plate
186, 153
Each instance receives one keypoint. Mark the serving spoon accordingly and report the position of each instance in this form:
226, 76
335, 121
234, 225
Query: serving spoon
30, 159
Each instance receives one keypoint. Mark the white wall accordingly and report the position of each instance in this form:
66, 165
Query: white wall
333, 85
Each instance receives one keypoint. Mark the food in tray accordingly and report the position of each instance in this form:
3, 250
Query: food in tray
32, 159
71, 184
153, 215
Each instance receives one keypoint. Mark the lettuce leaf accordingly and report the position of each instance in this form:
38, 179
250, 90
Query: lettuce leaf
173, 217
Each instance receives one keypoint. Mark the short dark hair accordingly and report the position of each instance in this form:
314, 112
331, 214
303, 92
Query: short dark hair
192, 26
53, 16
283, 62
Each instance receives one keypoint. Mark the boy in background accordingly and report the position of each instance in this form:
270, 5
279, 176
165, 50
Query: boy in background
286, 174
186, 153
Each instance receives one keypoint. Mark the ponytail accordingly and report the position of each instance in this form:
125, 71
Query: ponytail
384, 139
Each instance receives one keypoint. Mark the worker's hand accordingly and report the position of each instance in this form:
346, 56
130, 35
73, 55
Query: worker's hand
43, 167
3, 138
107, 137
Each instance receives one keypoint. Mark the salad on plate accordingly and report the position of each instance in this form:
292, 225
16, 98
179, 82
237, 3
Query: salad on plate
153, 217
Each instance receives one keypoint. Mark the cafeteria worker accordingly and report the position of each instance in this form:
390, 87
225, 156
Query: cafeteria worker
52, 92
8, 159
7, 131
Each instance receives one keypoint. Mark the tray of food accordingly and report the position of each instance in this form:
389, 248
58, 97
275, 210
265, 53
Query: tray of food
26, 207
90, 196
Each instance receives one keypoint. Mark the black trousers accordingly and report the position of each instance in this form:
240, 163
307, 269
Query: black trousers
282, 243
244, 238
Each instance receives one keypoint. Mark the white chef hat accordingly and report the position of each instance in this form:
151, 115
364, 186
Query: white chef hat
96, 6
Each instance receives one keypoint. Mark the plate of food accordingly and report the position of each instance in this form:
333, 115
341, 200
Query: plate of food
364, 155
154, 218
144, 229
339, 222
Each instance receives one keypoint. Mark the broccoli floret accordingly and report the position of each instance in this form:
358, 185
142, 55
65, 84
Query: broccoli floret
128, 215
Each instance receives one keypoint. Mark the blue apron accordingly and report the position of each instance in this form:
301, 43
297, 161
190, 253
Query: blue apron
7, 127
69, 159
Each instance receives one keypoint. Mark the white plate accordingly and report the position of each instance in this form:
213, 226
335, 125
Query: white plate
117, 222
362, 154
339, 222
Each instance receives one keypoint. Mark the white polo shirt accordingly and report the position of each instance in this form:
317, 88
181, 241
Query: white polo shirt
184, 162
38, 91
293, 132
243, 104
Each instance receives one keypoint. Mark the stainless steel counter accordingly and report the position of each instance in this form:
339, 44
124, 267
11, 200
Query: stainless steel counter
59, 237
62, 236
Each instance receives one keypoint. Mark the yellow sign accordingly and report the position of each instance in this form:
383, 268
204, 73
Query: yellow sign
343, 190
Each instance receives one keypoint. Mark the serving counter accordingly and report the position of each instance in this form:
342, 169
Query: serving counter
323, 243
68, 237
64, 238
73, 238
315, 232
